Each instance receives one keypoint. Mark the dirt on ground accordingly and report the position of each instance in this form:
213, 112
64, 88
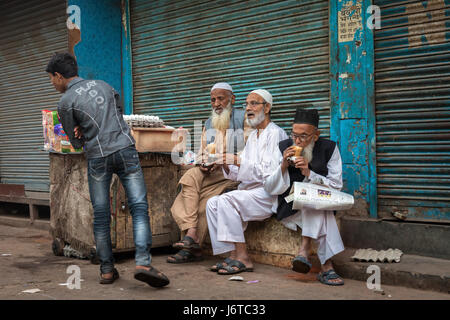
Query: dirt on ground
27, 262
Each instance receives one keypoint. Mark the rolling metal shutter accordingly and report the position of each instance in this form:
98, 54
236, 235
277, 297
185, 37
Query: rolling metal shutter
412, 80
31, 32
181, 48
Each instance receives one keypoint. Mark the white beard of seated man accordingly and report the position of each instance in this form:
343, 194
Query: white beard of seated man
221, 121
319, 163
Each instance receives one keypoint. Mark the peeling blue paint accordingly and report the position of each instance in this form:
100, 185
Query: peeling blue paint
99, 52
353, 105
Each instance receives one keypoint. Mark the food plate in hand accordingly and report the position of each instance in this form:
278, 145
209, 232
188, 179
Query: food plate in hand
207, 165
212, 158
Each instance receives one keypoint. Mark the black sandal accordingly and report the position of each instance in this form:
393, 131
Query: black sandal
219, 265
152, 277
184, 256
235, 263
187, 243
110, 280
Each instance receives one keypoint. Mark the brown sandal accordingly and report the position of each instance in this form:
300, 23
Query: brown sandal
110, 280
152, 277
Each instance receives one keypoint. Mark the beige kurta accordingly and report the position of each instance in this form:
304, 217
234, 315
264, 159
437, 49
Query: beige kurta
189, 207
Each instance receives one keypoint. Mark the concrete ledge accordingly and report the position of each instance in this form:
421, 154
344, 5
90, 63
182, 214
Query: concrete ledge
412, 271
412, 238
25, 223
270, 242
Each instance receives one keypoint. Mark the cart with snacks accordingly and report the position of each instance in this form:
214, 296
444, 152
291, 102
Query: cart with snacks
71, 213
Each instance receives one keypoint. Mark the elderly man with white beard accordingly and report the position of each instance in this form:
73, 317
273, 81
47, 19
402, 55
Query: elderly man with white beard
226, 130
320, 162
229, 213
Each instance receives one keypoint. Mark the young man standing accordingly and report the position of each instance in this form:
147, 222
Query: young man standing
91, 116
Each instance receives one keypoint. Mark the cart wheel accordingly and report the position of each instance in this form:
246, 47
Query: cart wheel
58, 247
93, 257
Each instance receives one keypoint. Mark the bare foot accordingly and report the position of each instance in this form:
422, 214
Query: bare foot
304, 253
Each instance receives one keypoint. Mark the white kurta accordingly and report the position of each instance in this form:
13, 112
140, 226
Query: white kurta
317, 224
228, 214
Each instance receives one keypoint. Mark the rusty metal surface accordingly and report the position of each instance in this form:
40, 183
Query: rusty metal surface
12, 190
31, 32
181, 48
412, 78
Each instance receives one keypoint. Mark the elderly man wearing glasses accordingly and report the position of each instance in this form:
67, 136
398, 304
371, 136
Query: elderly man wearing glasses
229, 213
319, 162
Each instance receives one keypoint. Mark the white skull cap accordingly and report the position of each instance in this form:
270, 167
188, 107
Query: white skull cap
222, 85
264, 94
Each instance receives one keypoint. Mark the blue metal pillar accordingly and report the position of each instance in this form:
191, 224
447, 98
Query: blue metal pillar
352, 98
99, 51
127, 75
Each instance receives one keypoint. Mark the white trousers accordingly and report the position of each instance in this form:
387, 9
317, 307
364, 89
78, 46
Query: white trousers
321, 226
228, 214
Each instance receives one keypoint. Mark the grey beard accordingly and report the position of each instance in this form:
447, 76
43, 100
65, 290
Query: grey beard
221, 121
257, 120
307, 152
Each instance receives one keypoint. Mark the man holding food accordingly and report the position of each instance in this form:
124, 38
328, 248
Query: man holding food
223, 132
228, 214
306, 157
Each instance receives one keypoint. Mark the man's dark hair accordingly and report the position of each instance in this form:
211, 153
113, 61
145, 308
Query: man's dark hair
63, 63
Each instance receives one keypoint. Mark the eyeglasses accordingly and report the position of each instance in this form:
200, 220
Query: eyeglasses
302, 137
252, 103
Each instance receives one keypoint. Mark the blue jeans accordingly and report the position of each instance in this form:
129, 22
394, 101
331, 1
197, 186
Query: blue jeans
125, 163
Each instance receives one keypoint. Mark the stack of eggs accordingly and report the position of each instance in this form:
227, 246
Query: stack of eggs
143, 121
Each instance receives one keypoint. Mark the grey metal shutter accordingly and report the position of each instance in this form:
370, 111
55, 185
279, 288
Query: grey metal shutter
31, 31
412, 80
181, 48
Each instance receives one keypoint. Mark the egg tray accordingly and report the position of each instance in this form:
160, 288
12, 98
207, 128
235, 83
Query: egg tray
370, 255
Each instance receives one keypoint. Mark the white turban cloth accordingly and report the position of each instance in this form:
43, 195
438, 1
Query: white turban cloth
222, 85
264, 94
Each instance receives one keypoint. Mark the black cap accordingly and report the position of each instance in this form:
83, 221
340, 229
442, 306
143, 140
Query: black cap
310, 116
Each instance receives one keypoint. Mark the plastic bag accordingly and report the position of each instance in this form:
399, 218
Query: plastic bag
318, 197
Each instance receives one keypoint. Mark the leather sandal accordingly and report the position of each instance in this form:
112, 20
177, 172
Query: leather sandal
109, 280
186, 243
184, 256
152, 277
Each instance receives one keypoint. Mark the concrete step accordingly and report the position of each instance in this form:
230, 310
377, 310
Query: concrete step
425, 239
413, 271
24, 222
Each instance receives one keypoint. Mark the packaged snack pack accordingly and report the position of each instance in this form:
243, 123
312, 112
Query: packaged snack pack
55, 139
